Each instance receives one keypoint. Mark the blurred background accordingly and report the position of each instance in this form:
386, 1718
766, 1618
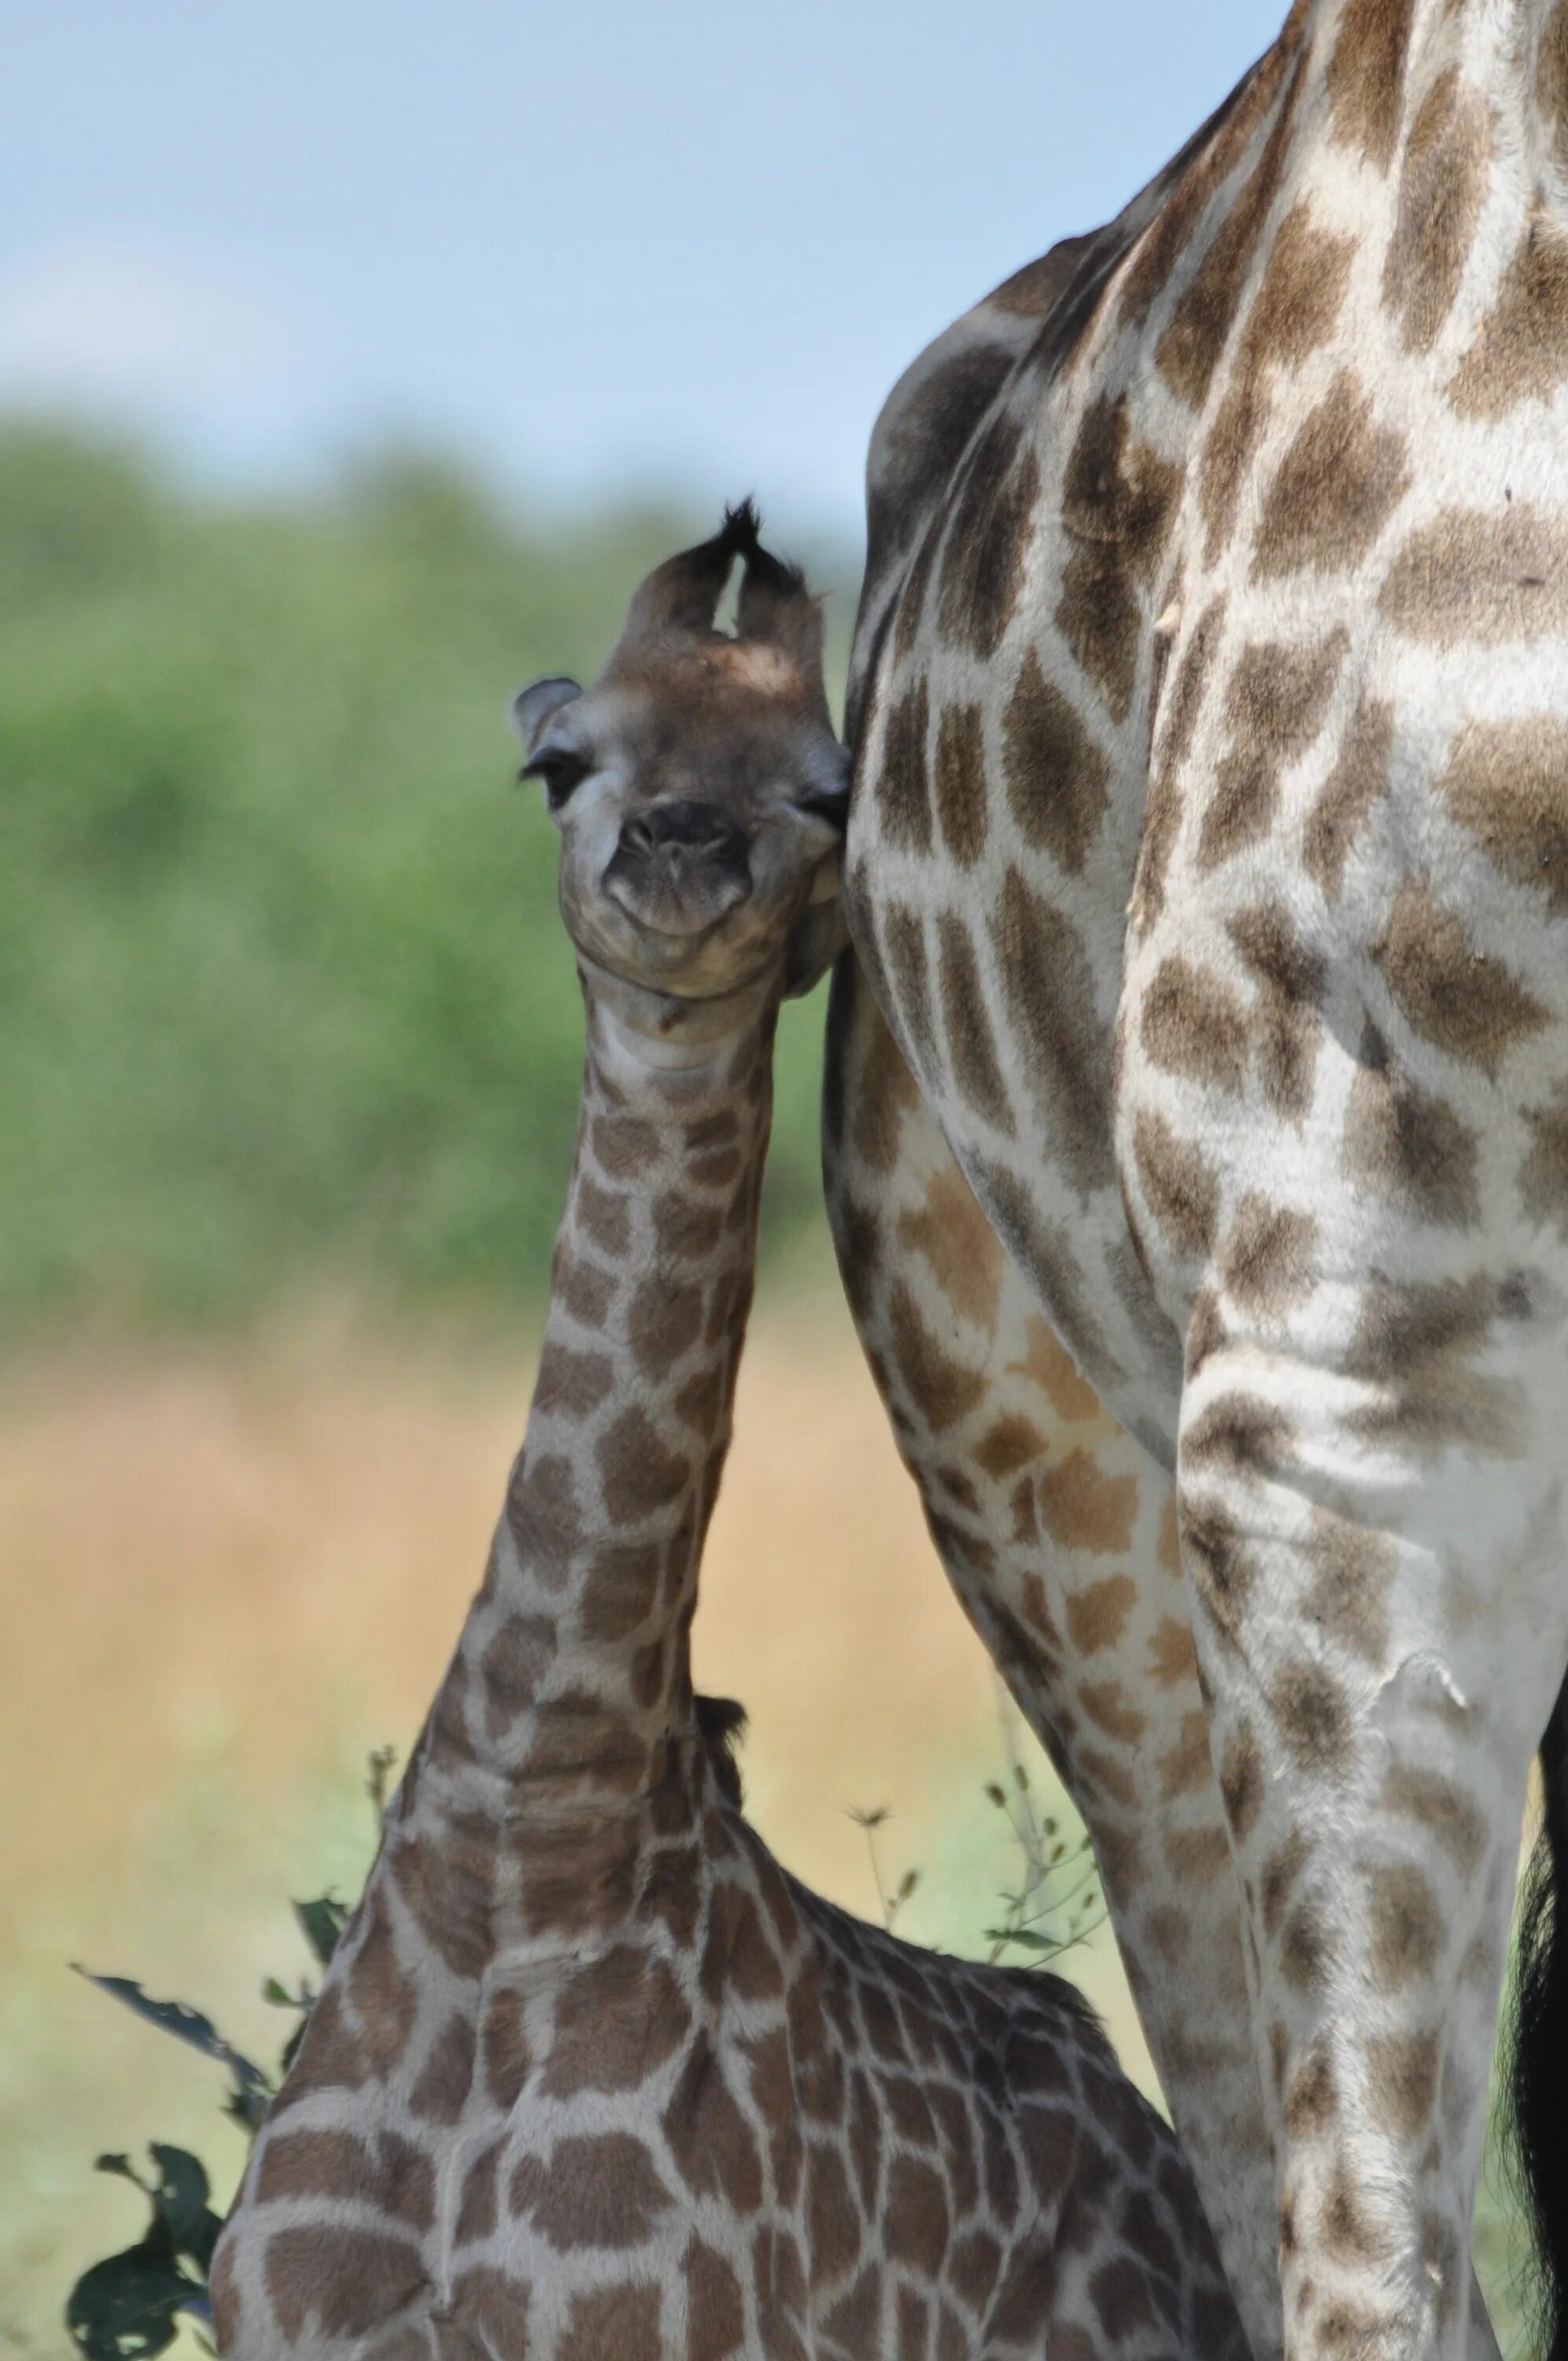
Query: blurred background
354, 364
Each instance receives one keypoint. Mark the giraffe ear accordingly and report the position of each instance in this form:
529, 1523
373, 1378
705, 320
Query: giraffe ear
532, 706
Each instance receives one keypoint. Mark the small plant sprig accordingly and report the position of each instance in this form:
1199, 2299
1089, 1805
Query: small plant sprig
130, 2306
1030, 1908
893, 1902
1055, 1906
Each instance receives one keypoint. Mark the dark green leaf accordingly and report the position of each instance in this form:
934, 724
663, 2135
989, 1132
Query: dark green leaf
129, 2305
321, 1922
247, 2107
179, 2203
1023, 1936
252, 2089
291, 2047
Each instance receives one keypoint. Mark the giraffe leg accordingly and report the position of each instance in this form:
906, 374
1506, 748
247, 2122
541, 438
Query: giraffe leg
1058, 1533
1372, 1527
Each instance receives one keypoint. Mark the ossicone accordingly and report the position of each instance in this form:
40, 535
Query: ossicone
681, 597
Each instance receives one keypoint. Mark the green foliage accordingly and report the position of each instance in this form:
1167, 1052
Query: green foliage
322, 1923
132, 2303
1054, 1904
252, 2089
282, 992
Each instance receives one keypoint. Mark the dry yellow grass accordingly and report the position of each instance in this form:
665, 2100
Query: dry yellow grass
224, 1576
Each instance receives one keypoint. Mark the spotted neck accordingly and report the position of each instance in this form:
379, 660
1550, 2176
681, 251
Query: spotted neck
568, 1703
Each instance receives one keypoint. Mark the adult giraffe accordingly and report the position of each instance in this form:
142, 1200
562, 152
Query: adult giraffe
1208, 864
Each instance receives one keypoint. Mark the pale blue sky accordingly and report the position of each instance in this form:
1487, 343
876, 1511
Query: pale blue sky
591, 245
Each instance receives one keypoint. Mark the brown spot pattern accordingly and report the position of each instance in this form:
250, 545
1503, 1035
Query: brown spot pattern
1180, 1188
941, 1388
1359, 778
596, 2190
1048, 986
904, 937
1188, 351
1288, 1030
713, 2146
1401, 2074
1241, 1781
1442, 190
1334, 489
1351, 1573
1405, 1925
903, 783
1416, 1344
1193, 1025
1472, 575
1269, 1262
972, 1046
1468, 1003
1365, 77
1085, 1509
1275, 706
1057, 779
1520, 349
958, 1246
1175, 725
1439, 1805
959, 783
983, 568
1407, 1144
346, 2281
1311, 1714
1215, 1553
617, 2020
1507, 782
1294, 314
1544, 1175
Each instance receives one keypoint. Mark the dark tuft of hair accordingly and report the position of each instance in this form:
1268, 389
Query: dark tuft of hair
741, 534
721, 1724
1538, 2074
741, 531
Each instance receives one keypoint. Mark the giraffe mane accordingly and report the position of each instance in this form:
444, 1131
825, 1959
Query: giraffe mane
721, 1724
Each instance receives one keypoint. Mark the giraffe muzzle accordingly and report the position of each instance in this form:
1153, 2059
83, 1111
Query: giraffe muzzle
679, 867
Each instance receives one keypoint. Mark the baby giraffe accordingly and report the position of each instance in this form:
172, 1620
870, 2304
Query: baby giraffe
591, 2078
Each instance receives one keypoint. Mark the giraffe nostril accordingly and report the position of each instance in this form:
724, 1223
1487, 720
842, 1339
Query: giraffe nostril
679, 866
683, 832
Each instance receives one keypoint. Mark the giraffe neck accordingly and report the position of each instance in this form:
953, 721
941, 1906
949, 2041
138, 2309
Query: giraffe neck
568, 1704
1513, 51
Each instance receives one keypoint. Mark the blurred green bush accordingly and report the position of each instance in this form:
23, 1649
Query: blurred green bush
282, 993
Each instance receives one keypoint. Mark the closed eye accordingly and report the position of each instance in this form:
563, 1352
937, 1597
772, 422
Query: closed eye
560, 770
831, 804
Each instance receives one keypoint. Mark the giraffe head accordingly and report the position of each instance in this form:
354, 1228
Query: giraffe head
697, 784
